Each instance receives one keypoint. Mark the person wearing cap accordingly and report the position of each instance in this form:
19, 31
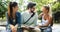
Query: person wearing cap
29, 18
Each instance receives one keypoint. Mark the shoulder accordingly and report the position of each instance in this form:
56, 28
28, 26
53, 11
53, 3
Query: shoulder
50, 17
36, 13
23, 13
18, 14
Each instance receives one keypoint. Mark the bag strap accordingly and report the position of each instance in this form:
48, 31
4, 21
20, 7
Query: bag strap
29, 18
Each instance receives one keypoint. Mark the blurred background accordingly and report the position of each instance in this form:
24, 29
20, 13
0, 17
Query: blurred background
54, 5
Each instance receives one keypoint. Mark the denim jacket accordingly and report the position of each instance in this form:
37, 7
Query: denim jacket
18, 20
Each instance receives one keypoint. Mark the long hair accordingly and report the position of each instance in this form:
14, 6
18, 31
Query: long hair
10, 9
50, 13
48, 7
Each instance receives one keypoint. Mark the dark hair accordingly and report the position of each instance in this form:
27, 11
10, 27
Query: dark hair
47, 7
11, 4
30, 5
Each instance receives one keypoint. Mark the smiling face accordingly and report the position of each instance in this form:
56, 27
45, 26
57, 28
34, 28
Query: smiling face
32, 9
45, 10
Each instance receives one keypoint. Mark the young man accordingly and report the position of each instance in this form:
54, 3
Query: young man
29, 18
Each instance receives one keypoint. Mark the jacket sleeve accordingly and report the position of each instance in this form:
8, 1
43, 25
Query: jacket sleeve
8, 23
19, 20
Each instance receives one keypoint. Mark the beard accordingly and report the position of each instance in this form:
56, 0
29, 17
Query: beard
32, 11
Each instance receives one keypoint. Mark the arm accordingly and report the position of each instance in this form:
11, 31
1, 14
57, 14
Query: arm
8, 22
18, 25
22, 19
40, 15
36, 18
9, 25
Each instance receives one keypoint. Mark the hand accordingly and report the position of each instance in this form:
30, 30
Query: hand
13, 29
31, 27
38, 26
26, 28
40, 15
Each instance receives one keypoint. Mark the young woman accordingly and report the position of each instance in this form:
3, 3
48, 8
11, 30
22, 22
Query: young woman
46, 20
13, 18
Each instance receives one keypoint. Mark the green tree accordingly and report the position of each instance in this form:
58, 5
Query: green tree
3, 8
55, 7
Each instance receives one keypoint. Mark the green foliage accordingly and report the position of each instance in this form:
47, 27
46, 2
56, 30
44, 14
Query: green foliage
55, 5
40, 3
3, 8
